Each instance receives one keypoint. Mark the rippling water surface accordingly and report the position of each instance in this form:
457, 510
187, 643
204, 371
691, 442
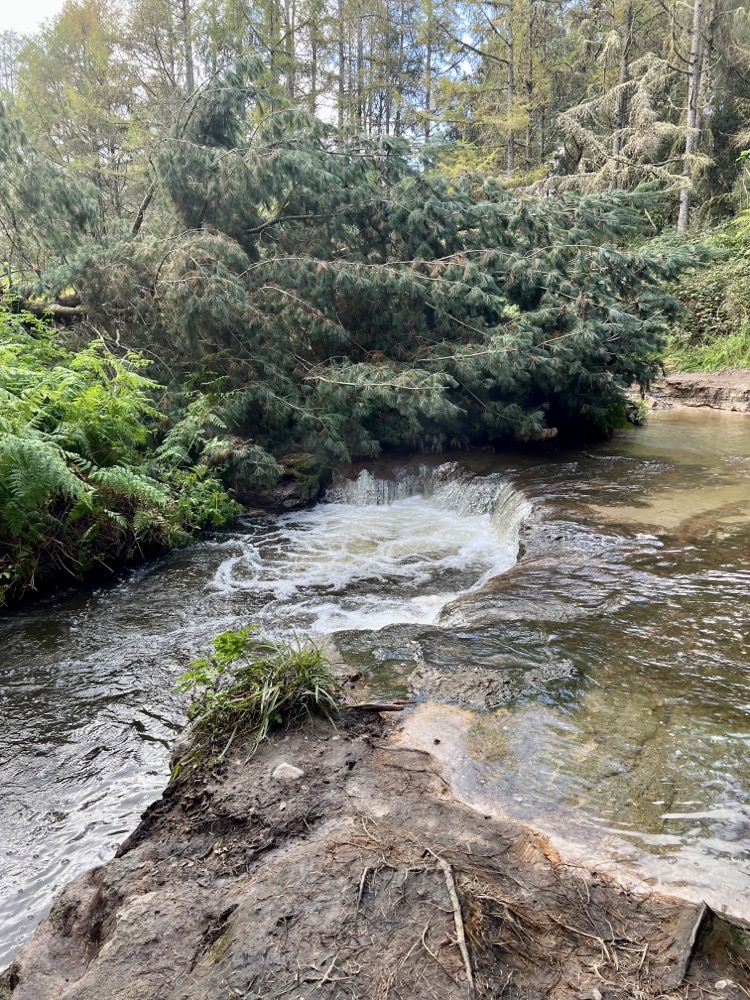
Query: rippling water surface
625, 624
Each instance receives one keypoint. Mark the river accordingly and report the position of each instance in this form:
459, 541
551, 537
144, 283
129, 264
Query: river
597, 688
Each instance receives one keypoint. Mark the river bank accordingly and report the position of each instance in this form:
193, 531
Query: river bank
725, 390
357, 875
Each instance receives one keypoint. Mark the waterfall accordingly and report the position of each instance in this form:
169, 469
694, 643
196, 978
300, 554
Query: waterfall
380, 550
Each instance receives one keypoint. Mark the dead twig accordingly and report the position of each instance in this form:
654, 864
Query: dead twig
327, 973
457, 917
374, 707
361, 889
432, 954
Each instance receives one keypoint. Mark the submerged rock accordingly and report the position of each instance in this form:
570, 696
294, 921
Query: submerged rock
373, 881
484, 688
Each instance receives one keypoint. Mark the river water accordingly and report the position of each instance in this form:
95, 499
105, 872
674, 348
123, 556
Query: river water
597, 689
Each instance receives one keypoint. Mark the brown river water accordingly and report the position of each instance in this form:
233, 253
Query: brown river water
596, 689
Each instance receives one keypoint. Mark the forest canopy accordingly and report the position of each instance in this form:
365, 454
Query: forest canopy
342, 296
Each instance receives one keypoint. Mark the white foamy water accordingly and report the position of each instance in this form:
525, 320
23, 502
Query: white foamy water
380, 551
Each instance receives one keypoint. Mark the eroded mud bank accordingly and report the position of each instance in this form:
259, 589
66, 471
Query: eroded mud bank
728, 390
360, 878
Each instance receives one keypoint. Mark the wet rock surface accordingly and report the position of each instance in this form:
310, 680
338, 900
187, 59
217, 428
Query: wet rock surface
372, 881
556, 579
485, 688
729, 390
301, 485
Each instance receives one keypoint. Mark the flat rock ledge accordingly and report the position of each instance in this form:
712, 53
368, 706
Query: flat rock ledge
728, 390
361, 879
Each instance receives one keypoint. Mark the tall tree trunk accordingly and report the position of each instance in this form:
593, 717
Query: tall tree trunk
400, 74
543, 136
313, 71
341, 67
511, 95
691, 123
622, 99
290, 14
360, 72
428, 74
187, 46
529, 93
705, 96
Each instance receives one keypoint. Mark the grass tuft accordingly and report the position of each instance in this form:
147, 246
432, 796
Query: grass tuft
247, 686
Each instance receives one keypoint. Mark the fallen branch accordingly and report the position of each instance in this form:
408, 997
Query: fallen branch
57, 310
374, 707
457, 918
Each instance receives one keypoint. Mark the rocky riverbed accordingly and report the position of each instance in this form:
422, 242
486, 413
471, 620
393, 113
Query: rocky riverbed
336, 862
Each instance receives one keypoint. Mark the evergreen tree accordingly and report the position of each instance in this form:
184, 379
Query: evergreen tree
340, 298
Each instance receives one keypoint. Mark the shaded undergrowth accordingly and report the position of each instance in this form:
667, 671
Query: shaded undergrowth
84, 484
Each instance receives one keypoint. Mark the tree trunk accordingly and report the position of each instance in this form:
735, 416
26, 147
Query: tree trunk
313, 71
511, 95
691, 124
289, 47
529, 93
187, 46
622, 99
705, 96
342, 67
360, 72
400, 74
428, 74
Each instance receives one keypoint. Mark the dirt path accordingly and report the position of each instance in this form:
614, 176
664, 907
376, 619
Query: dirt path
359, 878
728, 390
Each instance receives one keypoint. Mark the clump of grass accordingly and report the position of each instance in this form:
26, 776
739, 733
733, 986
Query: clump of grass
248, 686
713, 354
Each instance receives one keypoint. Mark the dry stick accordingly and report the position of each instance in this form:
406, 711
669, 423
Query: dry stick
328, 972
643, 957
457, 918
361, 890
373, 708
432, 954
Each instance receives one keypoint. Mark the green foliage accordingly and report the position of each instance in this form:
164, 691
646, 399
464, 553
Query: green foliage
713, 354
202, 433
79, 482
245, 687
712, 330
336, 299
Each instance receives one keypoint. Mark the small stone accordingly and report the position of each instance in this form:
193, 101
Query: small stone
288, 772
282, 806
